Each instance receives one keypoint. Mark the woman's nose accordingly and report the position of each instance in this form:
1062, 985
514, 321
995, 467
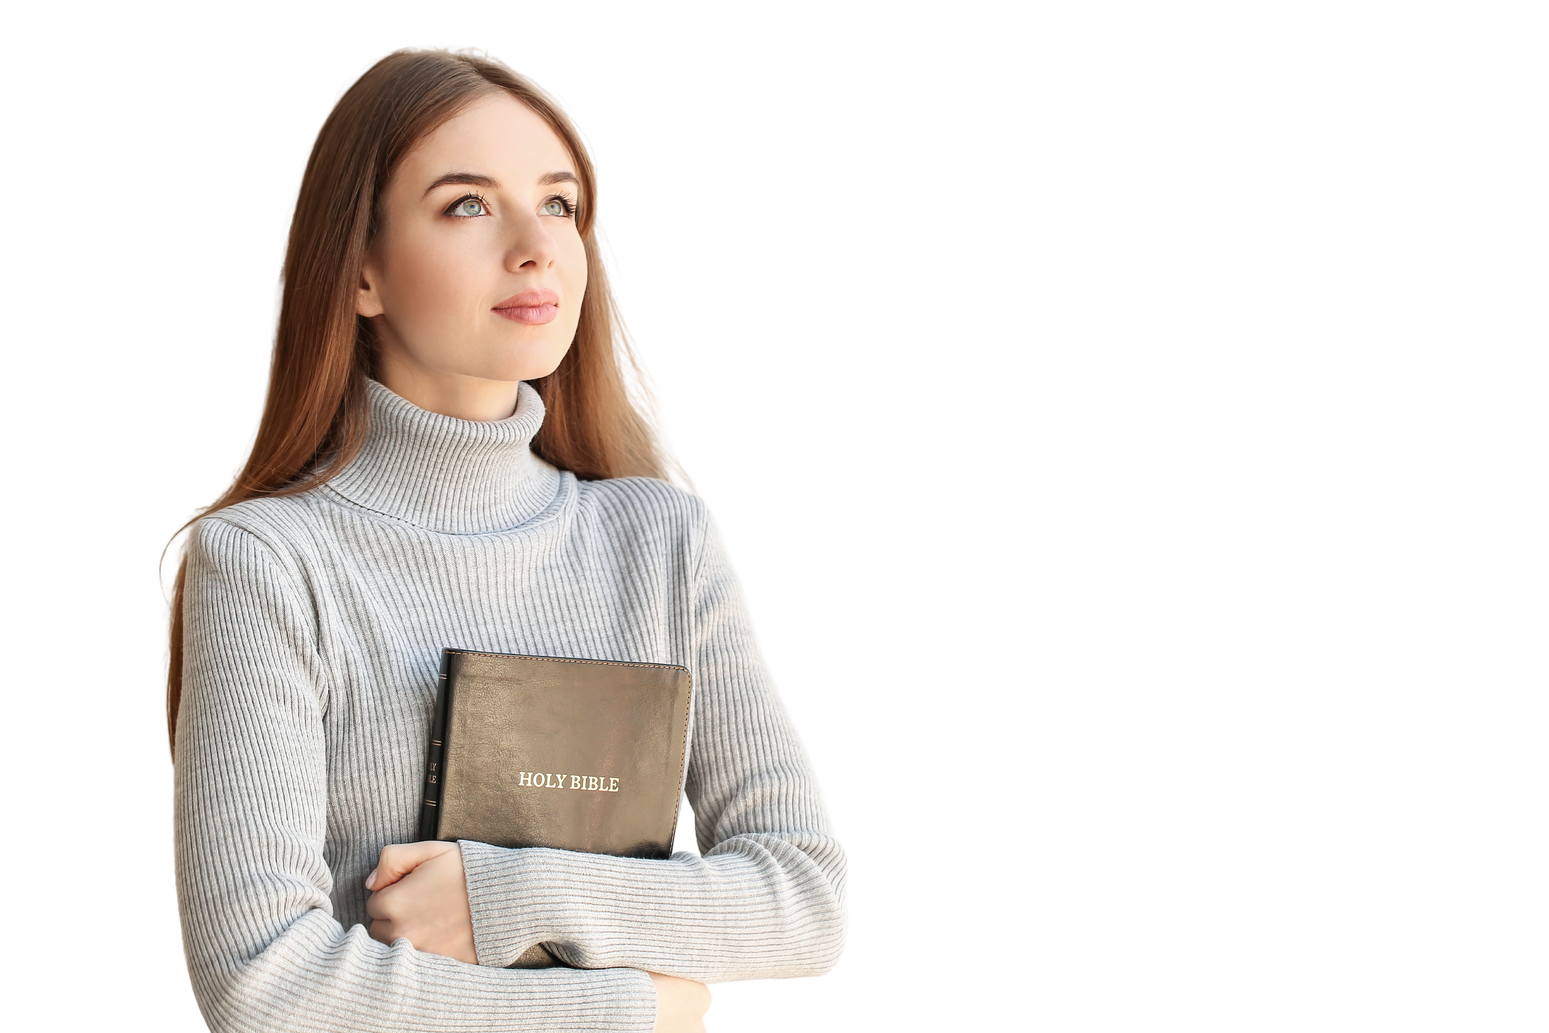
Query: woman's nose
531, 246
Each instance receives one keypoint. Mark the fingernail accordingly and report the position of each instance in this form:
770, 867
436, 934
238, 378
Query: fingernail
371, 879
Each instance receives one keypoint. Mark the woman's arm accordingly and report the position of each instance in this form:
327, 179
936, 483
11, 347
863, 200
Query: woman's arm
764, 901
265, 952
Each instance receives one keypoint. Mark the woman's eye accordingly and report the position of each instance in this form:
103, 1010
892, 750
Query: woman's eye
558, 206
469, 208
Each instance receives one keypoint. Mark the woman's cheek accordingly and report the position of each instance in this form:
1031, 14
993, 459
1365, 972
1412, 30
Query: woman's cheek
452, 302
407, 287
575, 289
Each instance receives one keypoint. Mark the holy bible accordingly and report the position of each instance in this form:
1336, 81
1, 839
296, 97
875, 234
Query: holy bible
549, 751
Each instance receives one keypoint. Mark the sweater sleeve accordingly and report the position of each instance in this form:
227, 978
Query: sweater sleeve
264, 950
764, 901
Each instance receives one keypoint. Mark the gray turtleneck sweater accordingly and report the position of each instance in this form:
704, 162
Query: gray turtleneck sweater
313, 630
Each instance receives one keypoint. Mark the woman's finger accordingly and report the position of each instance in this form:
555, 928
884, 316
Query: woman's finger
399, 859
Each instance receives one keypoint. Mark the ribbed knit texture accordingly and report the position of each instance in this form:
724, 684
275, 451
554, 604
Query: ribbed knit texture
313, 631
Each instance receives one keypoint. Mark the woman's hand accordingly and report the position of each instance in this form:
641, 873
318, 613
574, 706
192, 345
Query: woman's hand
420, 893
680, 1004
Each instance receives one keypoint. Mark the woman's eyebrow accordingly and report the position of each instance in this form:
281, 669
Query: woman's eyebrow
562, 176
472, 179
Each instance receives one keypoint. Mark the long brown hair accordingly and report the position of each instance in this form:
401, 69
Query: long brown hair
314, 418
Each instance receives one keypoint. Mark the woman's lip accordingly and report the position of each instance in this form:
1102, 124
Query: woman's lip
536, 306
530, 299
529, 313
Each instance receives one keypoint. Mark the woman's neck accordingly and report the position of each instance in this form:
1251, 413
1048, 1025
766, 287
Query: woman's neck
450, 394
448, 474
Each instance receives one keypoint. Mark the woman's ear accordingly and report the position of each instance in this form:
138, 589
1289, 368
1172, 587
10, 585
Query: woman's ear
368, 299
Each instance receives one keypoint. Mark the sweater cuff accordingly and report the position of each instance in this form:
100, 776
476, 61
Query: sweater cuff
504, 901
512, 910
635, 1005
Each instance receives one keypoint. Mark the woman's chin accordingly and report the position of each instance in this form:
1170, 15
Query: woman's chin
532, 367
528, 363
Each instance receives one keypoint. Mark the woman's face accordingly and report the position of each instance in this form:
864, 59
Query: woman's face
478, 269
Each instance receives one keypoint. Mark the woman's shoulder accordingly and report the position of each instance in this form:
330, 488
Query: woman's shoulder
632, 493
279, 524
642, 500
273, 514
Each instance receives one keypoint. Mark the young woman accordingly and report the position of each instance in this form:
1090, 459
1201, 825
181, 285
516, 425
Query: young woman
448, 457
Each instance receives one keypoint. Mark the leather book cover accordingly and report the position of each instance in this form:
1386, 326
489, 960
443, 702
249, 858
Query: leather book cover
557, 752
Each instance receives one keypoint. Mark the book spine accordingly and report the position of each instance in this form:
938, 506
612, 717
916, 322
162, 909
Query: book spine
430, 814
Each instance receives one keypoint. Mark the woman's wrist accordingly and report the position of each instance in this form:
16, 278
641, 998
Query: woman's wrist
505, 902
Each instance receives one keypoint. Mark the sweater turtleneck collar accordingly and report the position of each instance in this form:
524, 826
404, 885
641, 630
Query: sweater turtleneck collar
450, 475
